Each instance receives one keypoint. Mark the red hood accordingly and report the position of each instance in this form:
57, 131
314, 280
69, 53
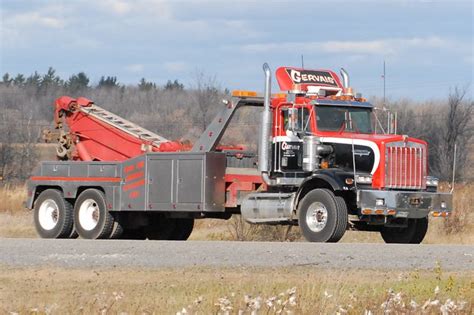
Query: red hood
378, 176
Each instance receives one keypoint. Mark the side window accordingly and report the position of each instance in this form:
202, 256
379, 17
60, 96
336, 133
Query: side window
296, 119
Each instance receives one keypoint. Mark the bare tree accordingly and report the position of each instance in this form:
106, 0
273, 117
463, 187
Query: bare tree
456, 129
206, 95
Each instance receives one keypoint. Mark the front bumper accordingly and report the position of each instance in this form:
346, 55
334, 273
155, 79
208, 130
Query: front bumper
404, 204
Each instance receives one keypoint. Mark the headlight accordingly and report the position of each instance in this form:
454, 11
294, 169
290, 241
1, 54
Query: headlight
432, 181
363, 179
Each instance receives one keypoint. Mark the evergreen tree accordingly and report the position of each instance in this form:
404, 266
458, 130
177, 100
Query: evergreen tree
6, 80
143, 85
77, 82
19, 80
108, 82
33, 80
175, 85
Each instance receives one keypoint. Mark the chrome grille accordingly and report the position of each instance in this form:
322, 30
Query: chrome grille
405, 165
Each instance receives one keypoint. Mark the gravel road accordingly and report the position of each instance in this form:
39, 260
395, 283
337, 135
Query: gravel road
158, 254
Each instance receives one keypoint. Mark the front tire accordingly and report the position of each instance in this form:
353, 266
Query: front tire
322, 217
53, 215
413, 233
92, 220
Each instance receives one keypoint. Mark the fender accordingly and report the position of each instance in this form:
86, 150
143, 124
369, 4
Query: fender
331, 179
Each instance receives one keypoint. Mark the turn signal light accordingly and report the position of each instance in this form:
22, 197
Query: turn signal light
366, 211
324, 164
391, 212
379, 211
240, 93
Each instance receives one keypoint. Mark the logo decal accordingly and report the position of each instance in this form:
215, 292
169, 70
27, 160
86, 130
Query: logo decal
311, 77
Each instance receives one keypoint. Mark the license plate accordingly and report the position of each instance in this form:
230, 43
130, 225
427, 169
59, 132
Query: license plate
415, 201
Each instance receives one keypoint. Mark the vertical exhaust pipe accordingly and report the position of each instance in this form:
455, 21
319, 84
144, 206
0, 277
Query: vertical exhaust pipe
345, 78
345, 82
263, 154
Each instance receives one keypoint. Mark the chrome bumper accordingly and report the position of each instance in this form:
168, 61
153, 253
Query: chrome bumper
403, 204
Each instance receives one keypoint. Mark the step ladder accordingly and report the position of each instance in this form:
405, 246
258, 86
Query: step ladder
122, 124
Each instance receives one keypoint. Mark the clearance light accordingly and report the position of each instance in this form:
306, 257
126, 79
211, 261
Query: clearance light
240, 93
392, 212
367, 211
436, 214
324, 164
445, 214
379, 211
349, 181
279, 95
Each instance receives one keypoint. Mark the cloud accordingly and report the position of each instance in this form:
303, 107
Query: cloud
135, 68
34, 19
155, 8
175, 66
367, 47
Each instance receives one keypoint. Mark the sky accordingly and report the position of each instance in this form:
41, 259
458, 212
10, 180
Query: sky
427, 46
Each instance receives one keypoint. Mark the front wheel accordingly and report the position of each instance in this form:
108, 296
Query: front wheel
413, 233
91, 218
322, 217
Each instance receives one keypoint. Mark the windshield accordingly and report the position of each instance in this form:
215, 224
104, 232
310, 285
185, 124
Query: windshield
349, 119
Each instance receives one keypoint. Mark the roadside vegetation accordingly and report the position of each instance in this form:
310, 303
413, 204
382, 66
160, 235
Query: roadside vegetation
298, 290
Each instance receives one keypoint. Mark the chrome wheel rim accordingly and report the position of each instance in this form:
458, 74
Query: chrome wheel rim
317, 217
48, 214
89, 214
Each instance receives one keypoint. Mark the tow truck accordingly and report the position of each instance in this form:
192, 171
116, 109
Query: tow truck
320, 165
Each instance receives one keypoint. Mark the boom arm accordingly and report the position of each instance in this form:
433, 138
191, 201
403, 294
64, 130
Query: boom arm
214, 132
96, 134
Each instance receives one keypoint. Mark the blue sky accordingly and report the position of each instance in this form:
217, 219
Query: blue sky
427, 45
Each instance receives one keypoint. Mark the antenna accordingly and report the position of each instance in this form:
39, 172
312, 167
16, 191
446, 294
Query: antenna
383, 77
302, 61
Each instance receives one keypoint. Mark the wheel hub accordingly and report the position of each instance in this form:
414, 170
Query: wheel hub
48, 214
316, 217
89, 214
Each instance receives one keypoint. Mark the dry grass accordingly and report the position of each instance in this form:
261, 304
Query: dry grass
16, 221
212, 291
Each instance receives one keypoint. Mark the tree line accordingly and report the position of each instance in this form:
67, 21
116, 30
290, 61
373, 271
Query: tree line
179, 112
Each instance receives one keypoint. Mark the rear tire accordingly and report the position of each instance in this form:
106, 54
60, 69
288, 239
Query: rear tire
322, 217
183, 229
414, 233
91, 218
133, 234
53, 215
160, 227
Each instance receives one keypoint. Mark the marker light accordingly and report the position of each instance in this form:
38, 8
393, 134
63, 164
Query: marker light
240, 93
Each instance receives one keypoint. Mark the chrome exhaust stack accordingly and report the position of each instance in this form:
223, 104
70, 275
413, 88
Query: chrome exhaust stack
346, 82
263, 154
345, 78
